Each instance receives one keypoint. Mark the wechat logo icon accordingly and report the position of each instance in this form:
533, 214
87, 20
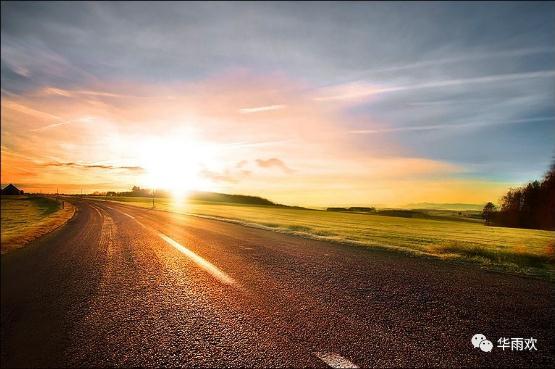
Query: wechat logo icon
479, 340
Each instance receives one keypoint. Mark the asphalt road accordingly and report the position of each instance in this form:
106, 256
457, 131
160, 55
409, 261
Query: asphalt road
123, 286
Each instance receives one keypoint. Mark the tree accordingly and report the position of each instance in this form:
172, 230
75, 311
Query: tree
547, 211
530, 206
489, 212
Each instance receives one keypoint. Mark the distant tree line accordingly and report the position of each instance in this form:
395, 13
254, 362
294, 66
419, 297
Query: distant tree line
529, 206
137, 191
354, 209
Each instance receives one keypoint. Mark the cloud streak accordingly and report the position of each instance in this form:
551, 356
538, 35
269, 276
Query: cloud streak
260, 109
95, 166
365, 91
74, 93
49, 126
462, 58
28, 111
449, 126
274, 163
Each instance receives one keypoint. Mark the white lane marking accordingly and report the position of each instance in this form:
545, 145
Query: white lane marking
97, 210
127, 215
335, 360
200, 261
135, 219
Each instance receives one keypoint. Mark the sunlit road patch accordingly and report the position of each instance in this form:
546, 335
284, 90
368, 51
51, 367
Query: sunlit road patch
201, 262
335, 360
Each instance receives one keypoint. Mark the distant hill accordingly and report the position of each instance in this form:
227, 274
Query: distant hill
354, 209
237, 199
444, 206
197, 196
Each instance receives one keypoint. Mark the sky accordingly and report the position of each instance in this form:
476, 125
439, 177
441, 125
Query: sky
314, 104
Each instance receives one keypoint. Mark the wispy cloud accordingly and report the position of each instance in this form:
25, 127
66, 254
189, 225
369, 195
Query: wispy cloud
21, 108
58, 124
274, 162
53, 125
466, 81
27, 110
449, 126
361, 91
255, 144
463, 58
259, 109
74, 93
94, 166
399, 129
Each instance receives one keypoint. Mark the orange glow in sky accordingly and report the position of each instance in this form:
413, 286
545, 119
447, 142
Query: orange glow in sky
236, 133
307, 104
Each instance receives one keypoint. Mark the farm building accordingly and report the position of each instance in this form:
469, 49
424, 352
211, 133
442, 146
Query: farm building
11, 190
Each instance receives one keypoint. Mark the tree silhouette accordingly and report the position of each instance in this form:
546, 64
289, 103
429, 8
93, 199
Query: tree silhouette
489, 212
530, 206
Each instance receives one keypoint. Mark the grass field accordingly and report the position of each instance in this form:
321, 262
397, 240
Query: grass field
24, 218
514, 249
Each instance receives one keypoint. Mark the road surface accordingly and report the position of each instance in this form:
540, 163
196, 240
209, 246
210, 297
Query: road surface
124, 286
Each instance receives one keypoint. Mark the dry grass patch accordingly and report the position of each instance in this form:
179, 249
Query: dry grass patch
25, 218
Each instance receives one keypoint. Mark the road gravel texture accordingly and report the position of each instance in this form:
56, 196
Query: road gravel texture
124, 286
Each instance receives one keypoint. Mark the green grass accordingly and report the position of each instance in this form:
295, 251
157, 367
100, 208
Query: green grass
24, 218
468, 216
441, 235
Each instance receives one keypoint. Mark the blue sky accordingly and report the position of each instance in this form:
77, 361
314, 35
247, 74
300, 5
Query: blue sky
469, 84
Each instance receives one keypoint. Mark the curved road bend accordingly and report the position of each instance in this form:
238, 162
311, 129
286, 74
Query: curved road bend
124, 286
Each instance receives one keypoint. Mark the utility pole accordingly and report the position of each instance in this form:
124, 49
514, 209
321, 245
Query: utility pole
58, 197
153, 197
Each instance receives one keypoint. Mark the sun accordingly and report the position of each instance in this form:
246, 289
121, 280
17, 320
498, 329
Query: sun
172, 163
